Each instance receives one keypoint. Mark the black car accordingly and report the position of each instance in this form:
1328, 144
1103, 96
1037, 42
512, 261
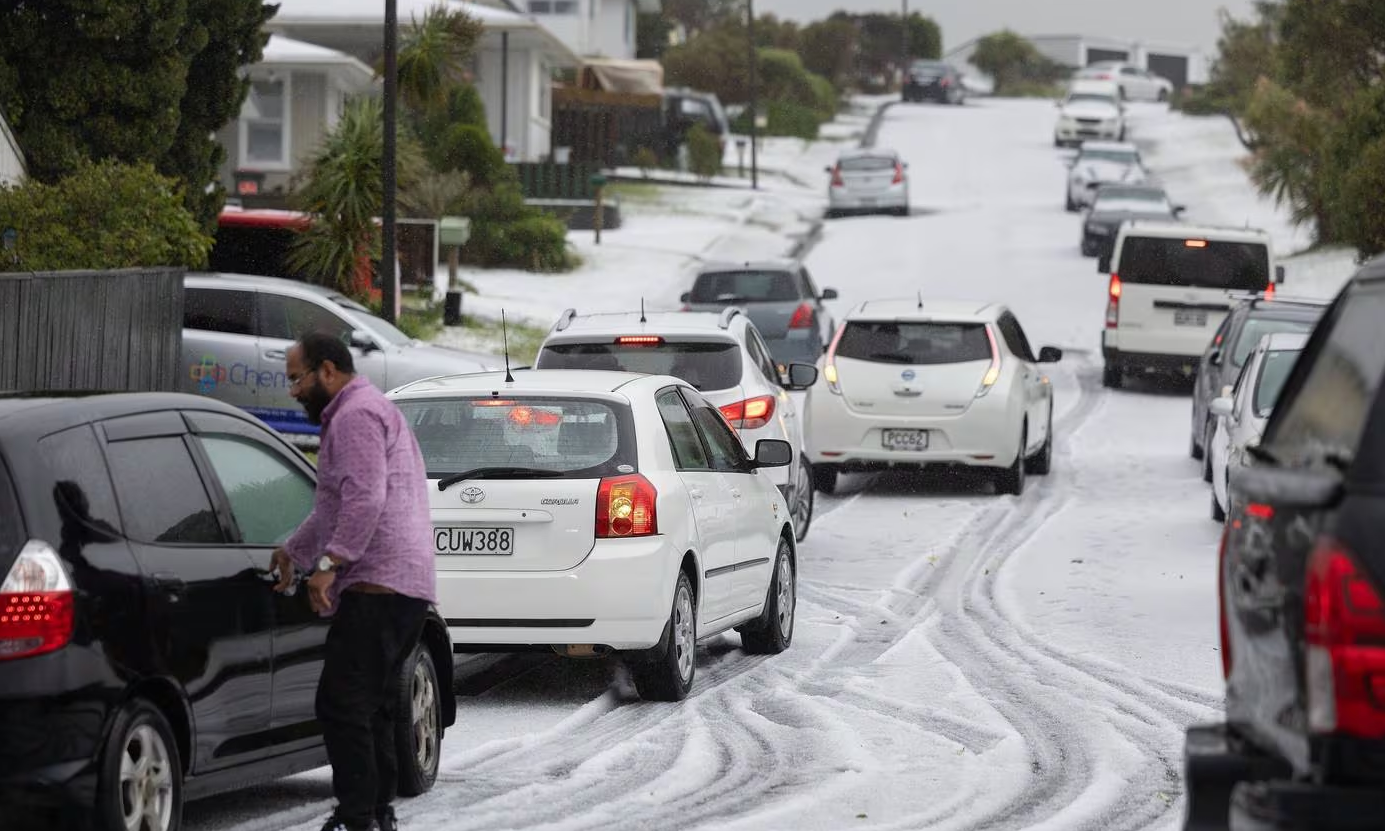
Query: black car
145, 659
1248, 322
934, 81
1302, 598
1114, 204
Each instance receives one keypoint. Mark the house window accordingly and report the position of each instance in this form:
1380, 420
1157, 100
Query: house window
553, 6
264, 125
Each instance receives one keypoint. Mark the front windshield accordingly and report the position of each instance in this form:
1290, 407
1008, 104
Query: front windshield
1274, 371
1123, 203
378, 325
1118, 156
1092, 98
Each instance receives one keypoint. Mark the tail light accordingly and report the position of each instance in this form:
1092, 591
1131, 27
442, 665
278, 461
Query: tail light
1113, 305
1344, 619
1269, 292
36, 604
898, 173
993, 371
639, 340
625, 508
837, 180
829, 368
945, 83
1223, 631
750, 414
803, 317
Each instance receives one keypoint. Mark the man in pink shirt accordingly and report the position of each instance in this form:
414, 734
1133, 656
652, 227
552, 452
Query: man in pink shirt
368, 544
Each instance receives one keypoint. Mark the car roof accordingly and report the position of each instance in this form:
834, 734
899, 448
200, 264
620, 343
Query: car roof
1123, 146
1279, 306
563, 382
48, 411
907, 308
615, 324
1372, 270
869, 152
225, 280
1164, 229
770, 264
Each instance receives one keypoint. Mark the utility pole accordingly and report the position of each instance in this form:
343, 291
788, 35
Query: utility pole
904, 57
389, 275
754, 101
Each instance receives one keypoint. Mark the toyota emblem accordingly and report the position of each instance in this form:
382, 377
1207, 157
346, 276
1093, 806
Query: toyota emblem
473, 496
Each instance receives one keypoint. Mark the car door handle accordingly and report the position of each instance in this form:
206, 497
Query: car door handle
172, 585
695, 493
276, 355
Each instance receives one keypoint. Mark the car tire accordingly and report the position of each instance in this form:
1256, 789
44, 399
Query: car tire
669, 677
772, 633
1218, 515
1010, 480
825, 478
1068, 204
154, 787
802, 507
1194, 449
1207, 453
1041, 463
1112, 376
1163, 95
418, 723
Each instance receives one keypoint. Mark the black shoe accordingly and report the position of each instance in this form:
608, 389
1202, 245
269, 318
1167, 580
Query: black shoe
385, 816
334, 824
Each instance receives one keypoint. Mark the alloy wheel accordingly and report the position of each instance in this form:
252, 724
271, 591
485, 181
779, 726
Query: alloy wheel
146, 781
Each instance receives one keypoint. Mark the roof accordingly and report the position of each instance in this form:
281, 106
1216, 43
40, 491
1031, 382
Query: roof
56, 410
281, 49
1181, 230
964, 311
368, 12
255, 281
868, 152
614, 324
564, 382
774, 264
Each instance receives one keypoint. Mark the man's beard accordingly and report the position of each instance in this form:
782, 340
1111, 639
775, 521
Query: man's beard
314, 401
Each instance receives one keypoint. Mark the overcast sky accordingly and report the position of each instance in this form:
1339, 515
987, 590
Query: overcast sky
1174, 22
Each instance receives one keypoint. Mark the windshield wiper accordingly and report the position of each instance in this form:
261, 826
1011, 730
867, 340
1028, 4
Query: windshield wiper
498, 473
891, 358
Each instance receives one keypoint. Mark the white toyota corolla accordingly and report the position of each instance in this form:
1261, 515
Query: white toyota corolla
915, 383
596, 512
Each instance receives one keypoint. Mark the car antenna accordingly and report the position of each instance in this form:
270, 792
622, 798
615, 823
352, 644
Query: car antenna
505, 339
920, 300
642, 319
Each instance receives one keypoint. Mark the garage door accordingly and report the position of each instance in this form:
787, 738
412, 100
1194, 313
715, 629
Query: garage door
1099, 55
1173, 67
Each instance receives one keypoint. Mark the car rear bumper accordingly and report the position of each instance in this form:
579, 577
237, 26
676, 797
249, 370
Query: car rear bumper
839, 199
926, 92
618, 597
1157, 362
1280, 805
985, 436
1080, 134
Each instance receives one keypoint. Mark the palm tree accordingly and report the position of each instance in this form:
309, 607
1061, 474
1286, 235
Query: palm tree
433, 57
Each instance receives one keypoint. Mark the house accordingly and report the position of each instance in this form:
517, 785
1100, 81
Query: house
1183, 65
11, 159
594, 28
297, 92
513, 65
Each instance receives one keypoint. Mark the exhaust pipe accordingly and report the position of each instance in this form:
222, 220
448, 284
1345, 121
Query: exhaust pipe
583, 650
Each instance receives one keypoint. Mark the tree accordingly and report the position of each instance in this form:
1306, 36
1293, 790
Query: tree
773, 33
698, 16
828, 48
715, 61
652, 31
925, 38
880, 45
1012, 61
433, 59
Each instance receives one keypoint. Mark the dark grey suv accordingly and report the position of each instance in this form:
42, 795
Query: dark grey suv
781, 299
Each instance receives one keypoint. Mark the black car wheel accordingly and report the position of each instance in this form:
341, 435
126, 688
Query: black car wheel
825, 478
669, 677
140, 782
418, 723
773, 631
1011, 479
802, 506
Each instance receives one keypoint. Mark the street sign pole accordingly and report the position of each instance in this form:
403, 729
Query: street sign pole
754, 101
389, 274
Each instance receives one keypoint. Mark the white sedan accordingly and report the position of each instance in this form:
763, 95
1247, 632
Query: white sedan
1243, 410
916, 383
1135, 84
596, 512
1102, 163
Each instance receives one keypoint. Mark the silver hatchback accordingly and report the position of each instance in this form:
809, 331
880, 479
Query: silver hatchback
237, 330
869, 181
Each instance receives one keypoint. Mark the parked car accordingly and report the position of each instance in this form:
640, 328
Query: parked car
685, 108
1090, 111
912, 384
1301, 593
781, 299
873, 180
1171, 287
1115, 204
153, 662
237, 330
722, 356
1240, 412
600, 512
1253, 317
1135, 84
1102, 163
934, 81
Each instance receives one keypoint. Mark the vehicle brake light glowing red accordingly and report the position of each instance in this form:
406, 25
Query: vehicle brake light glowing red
1195, 243
750, 414
639, 340
1113, 305
1344, 626
625, 507
803, 317
837, 180
1269, 292
36, 604
898, 173
1257, 510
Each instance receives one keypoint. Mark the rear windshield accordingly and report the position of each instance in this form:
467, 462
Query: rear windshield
931, 70
745, 286
579, 437
714, 365
11, 525
1230, 266
1274, 371
1091, 96
858, 164
891, 342
1118, 156
1256, 328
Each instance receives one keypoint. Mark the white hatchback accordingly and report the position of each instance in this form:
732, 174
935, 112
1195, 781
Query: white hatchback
600, 512
915, 383
1102, 163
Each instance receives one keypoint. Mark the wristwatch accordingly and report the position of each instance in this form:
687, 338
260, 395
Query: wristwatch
326, 564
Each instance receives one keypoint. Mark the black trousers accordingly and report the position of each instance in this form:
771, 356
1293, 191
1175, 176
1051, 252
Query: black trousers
370, 638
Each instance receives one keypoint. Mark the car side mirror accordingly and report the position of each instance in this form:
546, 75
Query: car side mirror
1279, 275
801, 377
829, 294
1220, 407
773, 453
828, 169
1103, 265
1215, 358
363, 341
1050, 355
1179, 209
685, 297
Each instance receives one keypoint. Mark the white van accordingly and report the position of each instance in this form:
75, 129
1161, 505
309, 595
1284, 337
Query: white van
1171, 287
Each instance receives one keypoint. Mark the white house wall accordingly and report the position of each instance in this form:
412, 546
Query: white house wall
522, 135
11, 161
611, 37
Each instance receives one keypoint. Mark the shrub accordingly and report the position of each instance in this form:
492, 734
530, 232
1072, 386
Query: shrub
105, 215
785, 119
507, 233
645, 158
825, 95
467, 147
704, 152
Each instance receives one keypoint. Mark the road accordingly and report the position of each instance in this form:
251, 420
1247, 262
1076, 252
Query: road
962, 660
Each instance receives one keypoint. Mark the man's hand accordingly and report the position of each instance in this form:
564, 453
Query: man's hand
318, 585
283, 564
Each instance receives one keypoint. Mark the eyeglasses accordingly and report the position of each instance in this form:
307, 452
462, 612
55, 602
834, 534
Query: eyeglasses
296, 380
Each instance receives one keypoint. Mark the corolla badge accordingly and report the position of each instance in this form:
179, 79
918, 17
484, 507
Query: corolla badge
907, 375
473, 496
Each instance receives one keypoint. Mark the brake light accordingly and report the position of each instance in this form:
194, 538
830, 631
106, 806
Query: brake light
946, 82
1344, 620
829, 367
898, 173
529, 417
837, 180
625, 508
639, 340
1223, 630
1258, 510
802, 317
1195, 243
993, 372
1269, 292
750, 414
36, 604
1113, 305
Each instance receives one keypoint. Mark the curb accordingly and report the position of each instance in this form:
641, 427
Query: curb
873, 129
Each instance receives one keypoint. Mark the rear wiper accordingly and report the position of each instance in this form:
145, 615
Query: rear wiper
891, 358
498, 472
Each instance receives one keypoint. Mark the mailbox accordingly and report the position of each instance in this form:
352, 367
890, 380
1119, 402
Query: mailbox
454, 230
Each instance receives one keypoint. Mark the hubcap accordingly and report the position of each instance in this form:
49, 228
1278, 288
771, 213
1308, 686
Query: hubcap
146, 781
784, 577
425, 718
683, 635
803, 496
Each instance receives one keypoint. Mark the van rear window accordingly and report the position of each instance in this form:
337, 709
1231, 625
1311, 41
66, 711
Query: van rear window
915, 344
1207, 264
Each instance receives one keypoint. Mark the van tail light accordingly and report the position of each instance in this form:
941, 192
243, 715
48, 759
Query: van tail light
1223, 631
625, 508
803, 317
1113, 304
898, 173
1344, 621
1269, 292
36, 604
750, 414
837, 180
829, 367
993, 371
